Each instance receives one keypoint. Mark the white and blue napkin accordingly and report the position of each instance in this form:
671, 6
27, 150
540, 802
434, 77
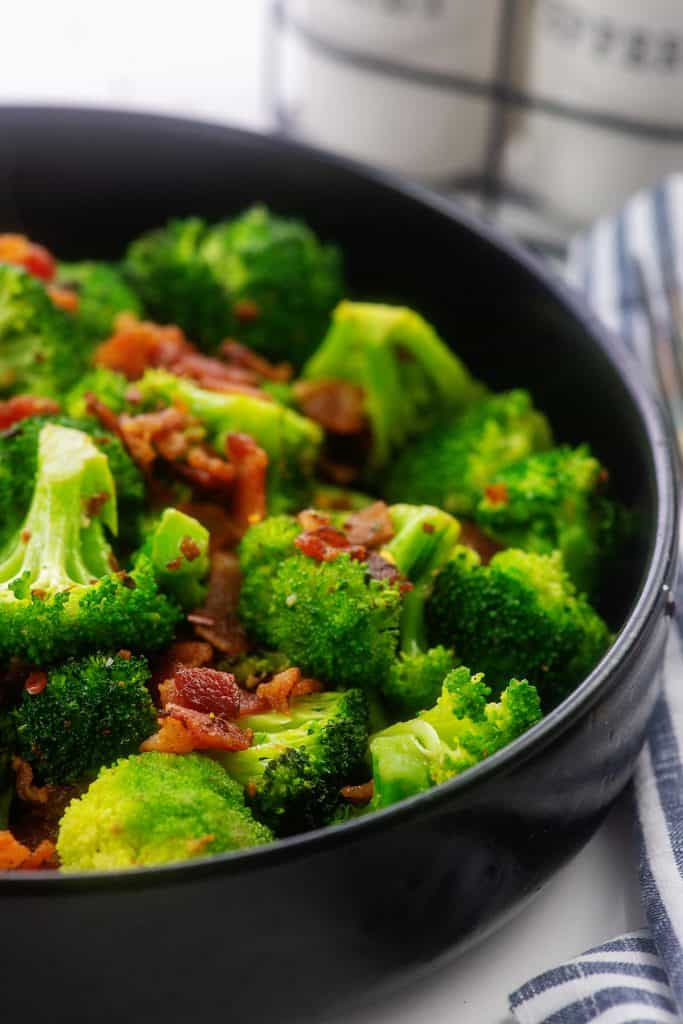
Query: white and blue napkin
637, 978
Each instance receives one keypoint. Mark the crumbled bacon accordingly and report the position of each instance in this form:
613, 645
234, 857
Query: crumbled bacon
337, 405
246, 310
310, 519
206, 470
173, 737
22, 252
472, 536
326, 544
14, 856
203, 689
95, 503
33, 823
35, 683
213, 375
497, 494
108, 419
189, 549
63, 298
238, 355
21, 407
143, 434
370, 526
283, 687
24, 786
209, 731
359, 795
216, 621
190, 653
379, 568
138, 344
251, 466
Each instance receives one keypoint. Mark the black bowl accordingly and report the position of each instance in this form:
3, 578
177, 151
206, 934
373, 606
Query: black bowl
303, 927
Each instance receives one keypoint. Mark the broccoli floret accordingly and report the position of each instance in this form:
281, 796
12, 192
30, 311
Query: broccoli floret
263, 279
102, 295
451, 465
551, 501
409, 377
262, 550
461, 729
18, 466
414, 681
156, 809
42, 351
108, 385
291, 441
91, 712
178, 550
519, 615
298, 762
59, 594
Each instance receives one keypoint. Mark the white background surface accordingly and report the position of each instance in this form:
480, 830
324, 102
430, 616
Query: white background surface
206, 59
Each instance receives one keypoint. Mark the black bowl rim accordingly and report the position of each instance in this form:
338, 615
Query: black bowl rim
656, 584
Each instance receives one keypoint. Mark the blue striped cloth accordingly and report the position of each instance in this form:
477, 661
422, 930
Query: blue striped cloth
635, 978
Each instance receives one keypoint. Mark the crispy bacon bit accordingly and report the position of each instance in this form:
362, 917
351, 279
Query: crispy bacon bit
96, 503
173, 737
124, 654
25, 536
337, 405
143, 434
359, 795
24, 786
104, 414
174, 564
206, 470
209, 731
63, 298
327, 543
237, 355
276, 694
35, 683
207, 690
310, 519
251, 466
497, 494
190, 653
214, 375
221, 626
14, 856
246, 310
371, 526
428, 527
34, 258
472, 536
21, 407
189, 549
252, 704
139, 344
381, 569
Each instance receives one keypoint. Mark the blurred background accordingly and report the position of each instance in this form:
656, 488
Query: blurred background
543, 113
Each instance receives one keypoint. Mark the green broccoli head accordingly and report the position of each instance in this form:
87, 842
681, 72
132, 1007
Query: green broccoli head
102, 295
91, 712
415, 680
19, 462
42, 351
291, 441
460, 730
108, 385
551, 501
178, 550
156, 809
518, 615
298, 762
263, 279
59, 593
262, 550
408, 376
451, 465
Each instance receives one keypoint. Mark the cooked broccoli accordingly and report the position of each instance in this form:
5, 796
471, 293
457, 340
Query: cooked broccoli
42, 351
519, 615
59, 594
551, 501
91, 712
461, 729
19, 462
451, 465
108, 385
298, 762
156, 809
178, 550
291, 442
102, 295
409, 377
263, 279
414, 681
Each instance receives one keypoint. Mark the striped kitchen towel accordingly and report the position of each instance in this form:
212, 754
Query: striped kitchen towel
630, 267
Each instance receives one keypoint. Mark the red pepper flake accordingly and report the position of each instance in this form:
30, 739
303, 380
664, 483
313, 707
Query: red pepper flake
35, 683
190, 549
247, 311
497, 494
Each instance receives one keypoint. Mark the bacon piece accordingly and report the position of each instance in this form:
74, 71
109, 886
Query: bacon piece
14, 856
283, 687
22, 252
190, 653
34, 823
497, 494
44, 856
359, 795
326, 544
310, 519
25, 789
472, 536
216, 621
63, 298
189, 549
252, 704
137, 345
109, 420
381, 569
208, 731
22, 407
207, 690
173, 737
251, 467
206, 470
337, 405
213, 375
371, 526
238, 355
142, 434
